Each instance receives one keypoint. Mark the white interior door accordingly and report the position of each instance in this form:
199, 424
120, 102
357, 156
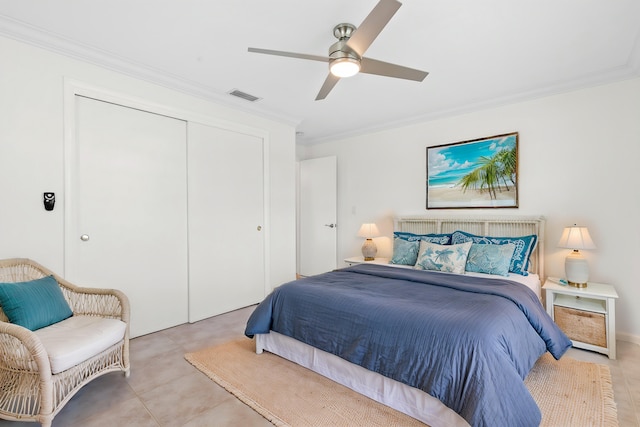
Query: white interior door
126, 222
317, 215
226, 220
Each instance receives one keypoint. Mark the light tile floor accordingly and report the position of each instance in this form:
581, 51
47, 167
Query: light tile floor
165, 390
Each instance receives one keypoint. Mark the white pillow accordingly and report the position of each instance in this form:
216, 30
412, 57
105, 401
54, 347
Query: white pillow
449, 258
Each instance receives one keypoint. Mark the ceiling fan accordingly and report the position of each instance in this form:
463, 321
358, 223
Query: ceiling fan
346, 55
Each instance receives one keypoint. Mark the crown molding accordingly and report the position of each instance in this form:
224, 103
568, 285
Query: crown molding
35, 36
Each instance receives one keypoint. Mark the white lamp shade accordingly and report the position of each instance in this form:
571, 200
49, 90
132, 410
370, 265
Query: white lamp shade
368, 231
576, 237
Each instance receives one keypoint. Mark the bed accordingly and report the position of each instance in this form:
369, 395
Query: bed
447, 348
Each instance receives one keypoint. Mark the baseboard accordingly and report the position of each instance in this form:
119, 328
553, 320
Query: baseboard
622, 336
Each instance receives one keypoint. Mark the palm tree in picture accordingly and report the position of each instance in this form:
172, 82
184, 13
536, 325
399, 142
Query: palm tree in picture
508, 162
490, 172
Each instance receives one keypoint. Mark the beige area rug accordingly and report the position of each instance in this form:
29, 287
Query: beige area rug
568, 392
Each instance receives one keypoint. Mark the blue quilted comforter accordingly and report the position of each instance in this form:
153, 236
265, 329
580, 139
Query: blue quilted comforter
467, 341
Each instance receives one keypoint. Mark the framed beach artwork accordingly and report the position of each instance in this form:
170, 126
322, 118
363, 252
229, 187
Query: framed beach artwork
481, 173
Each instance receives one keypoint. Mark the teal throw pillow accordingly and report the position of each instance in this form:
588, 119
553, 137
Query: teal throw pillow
490, 259
405, 252
524, 246
448, 258
34, 304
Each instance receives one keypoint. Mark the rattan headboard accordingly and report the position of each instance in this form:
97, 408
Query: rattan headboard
504, 226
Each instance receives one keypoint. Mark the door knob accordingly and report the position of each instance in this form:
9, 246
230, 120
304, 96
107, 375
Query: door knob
259, 228
84, 237
331, 225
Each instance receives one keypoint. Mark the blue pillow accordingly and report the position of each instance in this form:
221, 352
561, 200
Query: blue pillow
405, 252
34, 304
524, 246
441, 239
490, 259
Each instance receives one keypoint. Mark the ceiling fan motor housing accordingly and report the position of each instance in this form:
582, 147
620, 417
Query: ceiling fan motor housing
340, 49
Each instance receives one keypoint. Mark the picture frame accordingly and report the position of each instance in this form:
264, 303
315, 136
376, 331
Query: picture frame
479, 173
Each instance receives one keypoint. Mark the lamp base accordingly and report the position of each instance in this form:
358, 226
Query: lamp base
576, 270
369, 250
577, 285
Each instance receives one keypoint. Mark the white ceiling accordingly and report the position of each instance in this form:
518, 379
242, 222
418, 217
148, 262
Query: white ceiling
478, 53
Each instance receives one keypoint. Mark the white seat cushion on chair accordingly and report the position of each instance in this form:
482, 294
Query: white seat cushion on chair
79, 338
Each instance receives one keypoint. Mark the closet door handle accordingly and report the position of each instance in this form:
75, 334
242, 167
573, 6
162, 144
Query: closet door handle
84, 237
331, 225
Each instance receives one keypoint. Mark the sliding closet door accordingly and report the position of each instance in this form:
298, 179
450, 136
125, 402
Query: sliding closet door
126, 223
226, 219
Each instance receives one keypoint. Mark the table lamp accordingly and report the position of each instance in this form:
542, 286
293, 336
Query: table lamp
369, 249
576, 267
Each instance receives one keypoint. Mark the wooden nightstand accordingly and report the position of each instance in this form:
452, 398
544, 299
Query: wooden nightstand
360, 260
586, 315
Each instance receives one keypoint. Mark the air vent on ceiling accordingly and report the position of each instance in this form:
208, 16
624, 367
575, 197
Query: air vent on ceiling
243, 95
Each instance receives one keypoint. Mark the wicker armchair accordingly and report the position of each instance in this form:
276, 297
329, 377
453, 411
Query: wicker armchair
29, 390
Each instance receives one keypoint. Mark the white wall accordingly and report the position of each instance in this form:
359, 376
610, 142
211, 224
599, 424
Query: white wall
578, 154
31, 153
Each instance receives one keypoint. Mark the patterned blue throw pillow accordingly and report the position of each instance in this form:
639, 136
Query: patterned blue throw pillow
490, 259
448, 258
405, 252
441, 239
524, 246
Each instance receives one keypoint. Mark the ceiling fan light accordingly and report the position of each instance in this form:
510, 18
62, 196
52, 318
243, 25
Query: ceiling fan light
345, 67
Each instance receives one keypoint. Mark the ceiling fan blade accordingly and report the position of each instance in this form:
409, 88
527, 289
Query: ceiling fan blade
328, 84
380, 68
373, 25
289, 54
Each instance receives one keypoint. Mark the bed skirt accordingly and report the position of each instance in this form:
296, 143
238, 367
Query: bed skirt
404, 398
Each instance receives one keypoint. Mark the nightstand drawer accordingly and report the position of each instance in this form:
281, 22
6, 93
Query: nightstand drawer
583, 326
